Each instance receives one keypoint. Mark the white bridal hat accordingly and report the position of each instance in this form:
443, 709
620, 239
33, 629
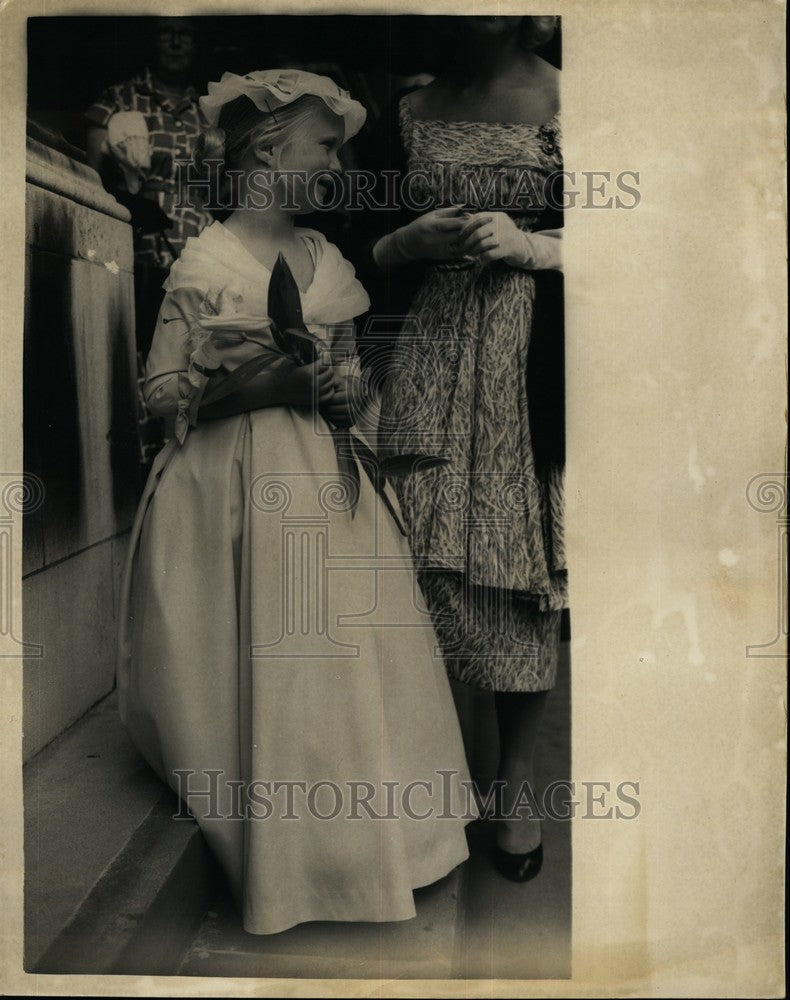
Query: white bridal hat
270, 89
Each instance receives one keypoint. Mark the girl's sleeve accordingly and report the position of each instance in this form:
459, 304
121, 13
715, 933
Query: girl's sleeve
168, 359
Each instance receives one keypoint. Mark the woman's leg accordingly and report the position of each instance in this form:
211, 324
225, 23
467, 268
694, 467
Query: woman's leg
519, 715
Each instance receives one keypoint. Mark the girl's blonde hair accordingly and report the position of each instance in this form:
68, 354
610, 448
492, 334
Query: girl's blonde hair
243, 126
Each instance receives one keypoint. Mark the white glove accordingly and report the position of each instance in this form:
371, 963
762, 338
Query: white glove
492, 236
129, 143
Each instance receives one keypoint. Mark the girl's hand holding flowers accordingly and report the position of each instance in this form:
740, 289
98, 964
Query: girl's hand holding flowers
310, 385
345, 403
337, 410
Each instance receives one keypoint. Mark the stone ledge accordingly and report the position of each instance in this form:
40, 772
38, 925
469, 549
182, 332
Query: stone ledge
58, 223
49, 168
54, 138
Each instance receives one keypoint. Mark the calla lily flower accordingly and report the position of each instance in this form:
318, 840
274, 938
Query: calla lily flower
234, 322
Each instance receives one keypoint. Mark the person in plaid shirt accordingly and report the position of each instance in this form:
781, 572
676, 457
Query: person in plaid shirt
170, 108
162, 221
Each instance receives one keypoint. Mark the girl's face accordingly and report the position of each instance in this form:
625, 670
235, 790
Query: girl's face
312, 155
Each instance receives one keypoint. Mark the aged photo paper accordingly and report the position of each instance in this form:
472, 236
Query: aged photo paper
674, 260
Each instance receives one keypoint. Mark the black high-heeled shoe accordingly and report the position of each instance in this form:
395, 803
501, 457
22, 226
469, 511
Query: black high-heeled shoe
519, 867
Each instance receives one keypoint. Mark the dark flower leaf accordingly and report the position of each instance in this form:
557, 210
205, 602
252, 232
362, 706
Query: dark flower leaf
282, 340
302, 344
347, 465
239, 376
284, 304
369, 462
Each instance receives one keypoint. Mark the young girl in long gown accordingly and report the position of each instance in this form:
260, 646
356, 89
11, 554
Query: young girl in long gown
272, 649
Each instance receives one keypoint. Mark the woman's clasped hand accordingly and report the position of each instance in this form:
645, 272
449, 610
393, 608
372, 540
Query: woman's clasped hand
434, 235
491, 236
452, 232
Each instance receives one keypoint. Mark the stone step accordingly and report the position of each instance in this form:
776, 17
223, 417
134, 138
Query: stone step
112, 883
422, 947
143, 912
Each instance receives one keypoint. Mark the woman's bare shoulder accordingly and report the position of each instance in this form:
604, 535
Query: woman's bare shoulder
537, 97
426, 100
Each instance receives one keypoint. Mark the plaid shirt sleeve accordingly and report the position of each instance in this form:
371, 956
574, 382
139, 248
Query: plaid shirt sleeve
100, 112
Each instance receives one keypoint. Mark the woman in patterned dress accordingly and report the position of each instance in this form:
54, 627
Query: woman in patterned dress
486, 526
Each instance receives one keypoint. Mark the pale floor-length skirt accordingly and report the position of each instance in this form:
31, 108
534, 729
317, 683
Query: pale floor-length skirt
270, 641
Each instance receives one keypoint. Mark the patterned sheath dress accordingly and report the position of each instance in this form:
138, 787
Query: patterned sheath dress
486, 526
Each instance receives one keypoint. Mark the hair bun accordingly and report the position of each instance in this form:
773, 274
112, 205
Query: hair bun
210, 145
537, 30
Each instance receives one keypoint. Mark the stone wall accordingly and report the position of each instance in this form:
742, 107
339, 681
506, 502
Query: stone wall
79, 433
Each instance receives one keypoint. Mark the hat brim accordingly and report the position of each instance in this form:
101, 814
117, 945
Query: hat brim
272, 89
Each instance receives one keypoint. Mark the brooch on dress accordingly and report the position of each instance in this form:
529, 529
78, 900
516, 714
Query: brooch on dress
547, 139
